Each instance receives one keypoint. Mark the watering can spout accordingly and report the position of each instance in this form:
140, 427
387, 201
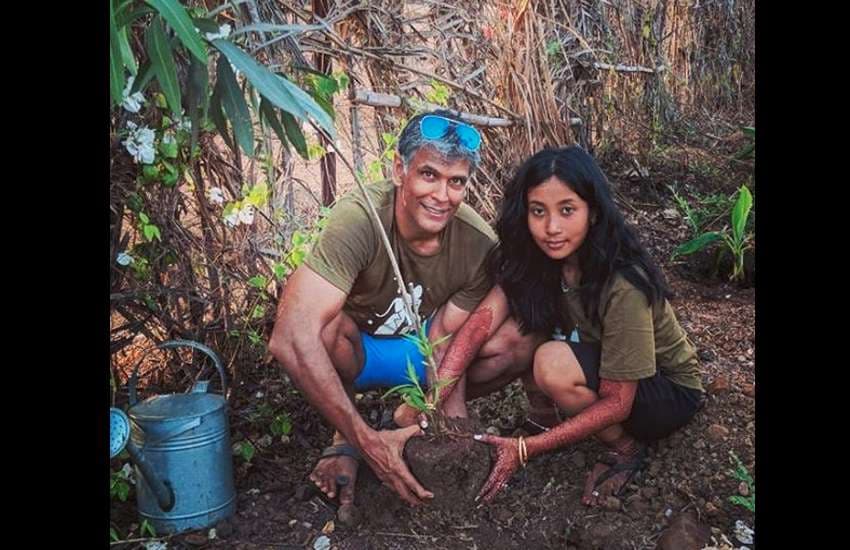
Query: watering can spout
163, 493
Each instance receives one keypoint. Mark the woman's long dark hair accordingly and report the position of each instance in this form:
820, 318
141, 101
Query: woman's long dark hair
531, 280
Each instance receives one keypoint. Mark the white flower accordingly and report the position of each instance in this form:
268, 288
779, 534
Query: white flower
212, 534
743, 532
168, 138
124, 259
132, 102
128, 473
259, 395
246, 215
156, 545
140, 143
232, 219
223, 32
215, 195
185, 124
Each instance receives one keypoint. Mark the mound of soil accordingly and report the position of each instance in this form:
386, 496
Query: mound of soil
453, 466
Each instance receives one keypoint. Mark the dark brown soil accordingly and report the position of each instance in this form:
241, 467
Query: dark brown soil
453, 466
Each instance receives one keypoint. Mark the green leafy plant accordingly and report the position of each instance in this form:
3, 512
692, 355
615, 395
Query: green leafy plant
413, 394
119, 486
246, 450
438, 94
147, 229
281, 425
737, 240
196, 38
741, 473
147, 529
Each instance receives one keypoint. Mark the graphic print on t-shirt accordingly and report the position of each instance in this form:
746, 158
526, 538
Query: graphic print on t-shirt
398, 318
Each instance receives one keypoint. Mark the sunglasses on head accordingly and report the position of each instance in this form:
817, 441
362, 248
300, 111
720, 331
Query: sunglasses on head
436, 127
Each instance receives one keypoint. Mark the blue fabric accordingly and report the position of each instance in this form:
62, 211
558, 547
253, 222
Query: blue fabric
386, 361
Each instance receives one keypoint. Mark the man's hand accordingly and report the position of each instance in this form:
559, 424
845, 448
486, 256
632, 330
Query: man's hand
384, 455
507, 462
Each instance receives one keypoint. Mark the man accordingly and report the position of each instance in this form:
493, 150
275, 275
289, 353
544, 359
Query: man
340, 317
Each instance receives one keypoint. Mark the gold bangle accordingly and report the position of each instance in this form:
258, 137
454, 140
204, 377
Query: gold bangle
522, 450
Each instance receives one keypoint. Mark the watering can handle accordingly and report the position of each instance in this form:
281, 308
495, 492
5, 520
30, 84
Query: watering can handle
131, 384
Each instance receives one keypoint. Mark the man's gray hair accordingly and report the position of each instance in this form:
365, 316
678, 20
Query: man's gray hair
449, 147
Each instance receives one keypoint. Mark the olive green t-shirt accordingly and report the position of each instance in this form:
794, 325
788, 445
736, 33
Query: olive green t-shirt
635, 338
351, 256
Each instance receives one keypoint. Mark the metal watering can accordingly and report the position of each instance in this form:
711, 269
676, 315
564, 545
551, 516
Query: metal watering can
180, 445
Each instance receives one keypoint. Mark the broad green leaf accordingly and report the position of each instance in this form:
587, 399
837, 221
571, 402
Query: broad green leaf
236, 107
258, 312
310, 106
416, 402
199, 85
168, 149
266, 82
696, 244
217, 116
258, 281
293, 132
267, 112
162, 59
151, 232
144, 76
296, 257
298, 238
147, 529
395, 389
280, 271
116, 64
183, 27
325, 104
280, 91
126, 53
749, 131
281, 425
247, 451
144, 218
125, 16
171, 175
740, 212
324, 85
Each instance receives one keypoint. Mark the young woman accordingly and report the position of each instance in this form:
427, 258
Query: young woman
567, 259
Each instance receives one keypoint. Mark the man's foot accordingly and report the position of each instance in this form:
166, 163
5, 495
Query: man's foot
336, 472
610, 475
405, 415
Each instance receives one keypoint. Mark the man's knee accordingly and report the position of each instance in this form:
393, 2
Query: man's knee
341, 339
510, 341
